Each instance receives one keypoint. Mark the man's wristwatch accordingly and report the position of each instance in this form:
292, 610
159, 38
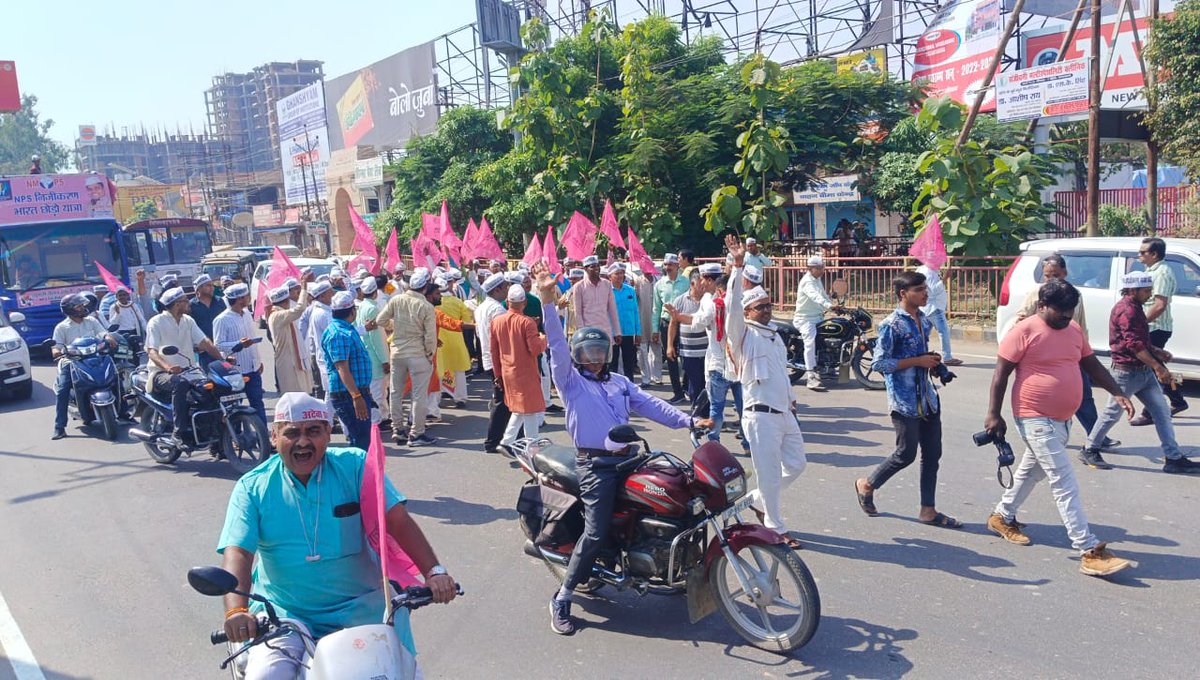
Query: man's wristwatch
436, 570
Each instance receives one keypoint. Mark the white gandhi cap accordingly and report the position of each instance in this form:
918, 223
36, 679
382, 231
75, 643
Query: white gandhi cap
298, 407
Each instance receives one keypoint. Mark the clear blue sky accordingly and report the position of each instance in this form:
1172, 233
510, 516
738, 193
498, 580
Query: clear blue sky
127, 62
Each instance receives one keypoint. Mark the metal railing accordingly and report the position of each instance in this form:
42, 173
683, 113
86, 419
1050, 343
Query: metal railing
1071, 209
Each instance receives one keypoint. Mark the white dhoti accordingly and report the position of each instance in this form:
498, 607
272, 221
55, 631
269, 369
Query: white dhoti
777, 451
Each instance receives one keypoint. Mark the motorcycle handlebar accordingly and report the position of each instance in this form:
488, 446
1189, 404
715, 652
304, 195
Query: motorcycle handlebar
218, 637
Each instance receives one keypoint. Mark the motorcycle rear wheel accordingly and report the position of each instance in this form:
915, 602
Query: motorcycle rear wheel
252, 445
790, 590
108, 417
864, 373
153, 422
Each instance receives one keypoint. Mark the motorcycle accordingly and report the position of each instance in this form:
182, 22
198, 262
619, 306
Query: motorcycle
841, 340
676, 529
94, 383
220, 419
369, 652
128, 355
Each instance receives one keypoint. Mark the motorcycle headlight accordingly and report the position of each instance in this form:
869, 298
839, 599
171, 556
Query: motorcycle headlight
87, 350
735, 488
9, 346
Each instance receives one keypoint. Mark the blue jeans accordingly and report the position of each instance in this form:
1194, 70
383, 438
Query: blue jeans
254, 395
1143, 384
62, 394
938, 319
358, 431
718, 386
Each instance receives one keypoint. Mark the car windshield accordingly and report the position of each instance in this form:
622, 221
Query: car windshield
317, 269
219, 269
55, 254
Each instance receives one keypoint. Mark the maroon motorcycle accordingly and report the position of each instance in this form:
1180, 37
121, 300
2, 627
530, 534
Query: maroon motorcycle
676, 529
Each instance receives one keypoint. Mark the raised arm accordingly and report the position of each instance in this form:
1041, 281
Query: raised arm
735, 320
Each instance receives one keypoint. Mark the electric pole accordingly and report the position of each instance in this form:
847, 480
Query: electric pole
1093, 179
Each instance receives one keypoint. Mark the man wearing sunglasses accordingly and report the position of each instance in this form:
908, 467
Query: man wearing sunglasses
1158, 312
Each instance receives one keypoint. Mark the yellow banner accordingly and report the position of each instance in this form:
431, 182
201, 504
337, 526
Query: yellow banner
167, 198
871, 61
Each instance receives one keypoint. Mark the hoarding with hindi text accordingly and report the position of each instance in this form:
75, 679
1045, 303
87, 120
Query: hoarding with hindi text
386, 103
1053, 91
954, 54
303, 144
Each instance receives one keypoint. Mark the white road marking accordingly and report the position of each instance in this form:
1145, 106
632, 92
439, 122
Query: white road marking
20, 656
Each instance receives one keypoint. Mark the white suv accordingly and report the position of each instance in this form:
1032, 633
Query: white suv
16, 380
1095, 266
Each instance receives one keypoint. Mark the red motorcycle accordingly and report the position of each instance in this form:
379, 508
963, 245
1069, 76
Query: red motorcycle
676, 529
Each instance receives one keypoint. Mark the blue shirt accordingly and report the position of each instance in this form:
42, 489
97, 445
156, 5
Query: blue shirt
341, 342
204, 315
627, 310
910, 391
272, 514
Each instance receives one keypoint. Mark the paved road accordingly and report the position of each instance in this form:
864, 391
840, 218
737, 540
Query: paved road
97, 538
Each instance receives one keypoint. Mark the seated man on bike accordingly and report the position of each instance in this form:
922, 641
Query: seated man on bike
596, 400
300, 512
79, 324
173, 327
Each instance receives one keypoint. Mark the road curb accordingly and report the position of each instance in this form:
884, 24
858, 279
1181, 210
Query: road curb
973, 333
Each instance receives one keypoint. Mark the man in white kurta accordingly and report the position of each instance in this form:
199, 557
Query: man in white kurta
759, 360
811, 304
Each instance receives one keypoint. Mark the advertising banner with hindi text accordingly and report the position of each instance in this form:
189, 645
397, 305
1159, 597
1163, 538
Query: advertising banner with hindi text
303, 144
955, 52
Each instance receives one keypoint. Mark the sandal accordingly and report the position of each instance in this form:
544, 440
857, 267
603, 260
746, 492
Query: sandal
866, 501
944, 521
792, 542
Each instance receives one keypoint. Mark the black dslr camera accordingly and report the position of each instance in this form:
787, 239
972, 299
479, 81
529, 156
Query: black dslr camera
945, 375
1004, 452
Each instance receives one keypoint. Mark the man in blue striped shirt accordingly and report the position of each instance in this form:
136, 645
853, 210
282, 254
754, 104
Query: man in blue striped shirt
349, 366
625, 352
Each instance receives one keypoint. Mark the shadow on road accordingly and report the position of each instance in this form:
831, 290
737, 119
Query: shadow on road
853, 648
456, 511
42, 396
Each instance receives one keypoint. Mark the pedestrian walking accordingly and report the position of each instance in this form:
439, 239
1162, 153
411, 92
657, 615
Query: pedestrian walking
811, 304
235, 327
205, 307
902, 355
1047, 352
1158, 313
414, 345
594, 302
692, 340
649, 349
515, 346
453, 359
375, 341
495, 287
349, 367
667, 289
319, 318
935, 311
625, 352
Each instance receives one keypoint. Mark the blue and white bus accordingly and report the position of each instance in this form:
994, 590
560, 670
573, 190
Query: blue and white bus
54, 229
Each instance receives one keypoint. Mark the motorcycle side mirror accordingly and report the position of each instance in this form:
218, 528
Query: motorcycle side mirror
114, 328
212, 581
48, 343
840, 288
624, 434
169, 351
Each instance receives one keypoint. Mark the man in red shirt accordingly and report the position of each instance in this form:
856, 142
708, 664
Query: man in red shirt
1046, 351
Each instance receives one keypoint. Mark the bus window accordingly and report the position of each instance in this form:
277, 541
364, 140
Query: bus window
136, 249
159, 254
189, 244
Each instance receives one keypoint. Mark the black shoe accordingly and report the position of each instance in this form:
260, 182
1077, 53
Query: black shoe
1092, 459
491, 449
385, 425
1141, 421
560, 617
421, 440
554, 408
677, 398
1178, 408
59, 433
399, 437
1181, 466
1109, 444
460, 404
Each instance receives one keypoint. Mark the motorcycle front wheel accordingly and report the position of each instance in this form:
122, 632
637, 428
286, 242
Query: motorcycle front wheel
108, 417
250, 446
153, 422
860, 364
781, 612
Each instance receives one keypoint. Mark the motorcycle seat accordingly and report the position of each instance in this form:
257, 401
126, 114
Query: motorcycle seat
557, 463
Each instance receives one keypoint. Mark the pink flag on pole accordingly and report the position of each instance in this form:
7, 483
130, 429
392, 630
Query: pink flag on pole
393, 252
282, 267
364, 241
928, 246
488, 246
425, 252
447, 237
550, 252
114, 284
637, 255
469, 239
395, 564
534, 252
610, 227
580, 237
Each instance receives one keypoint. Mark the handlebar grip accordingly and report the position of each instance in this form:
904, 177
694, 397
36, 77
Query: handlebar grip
218, 637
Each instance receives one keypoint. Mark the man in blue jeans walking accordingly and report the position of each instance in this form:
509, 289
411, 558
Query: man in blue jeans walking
349, 367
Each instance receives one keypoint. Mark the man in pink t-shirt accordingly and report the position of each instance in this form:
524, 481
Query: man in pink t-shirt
1046, 351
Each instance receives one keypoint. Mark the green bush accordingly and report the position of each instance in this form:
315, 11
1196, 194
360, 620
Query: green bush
1119, 220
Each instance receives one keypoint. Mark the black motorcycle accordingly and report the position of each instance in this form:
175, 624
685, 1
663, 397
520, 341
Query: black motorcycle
128, 356
220, 419
840, 340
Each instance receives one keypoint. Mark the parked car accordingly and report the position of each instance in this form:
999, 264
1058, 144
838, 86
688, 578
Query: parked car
1095, 266
16, 380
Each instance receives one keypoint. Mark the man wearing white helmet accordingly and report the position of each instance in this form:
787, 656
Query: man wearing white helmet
811, 304
414, 345
291, 361
233, 329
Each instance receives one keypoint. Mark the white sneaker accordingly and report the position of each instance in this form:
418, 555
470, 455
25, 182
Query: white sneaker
814, 383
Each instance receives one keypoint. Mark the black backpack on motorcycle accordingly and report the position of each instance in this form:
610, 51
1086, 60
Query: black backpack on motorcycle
549, 517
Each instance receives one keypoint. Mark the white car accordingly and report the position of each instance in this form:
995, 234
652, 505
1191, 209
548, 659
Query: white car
319, 267
1095, 266
16, 380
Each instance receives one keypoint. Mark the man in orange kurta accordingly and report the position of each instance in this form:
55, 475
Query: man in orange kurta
515, 346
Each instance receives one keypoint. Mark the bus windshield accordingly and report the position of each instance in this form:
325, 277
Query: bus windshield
189, 244
54, 254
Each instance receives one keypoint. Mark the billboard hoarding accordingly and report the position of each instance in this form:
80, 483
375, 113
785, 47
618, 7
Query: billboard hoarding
87, 136
303, 144
873, 62
829, 190
169, 201
384, 104
1055, 90
42, 198
955, 53
10, 94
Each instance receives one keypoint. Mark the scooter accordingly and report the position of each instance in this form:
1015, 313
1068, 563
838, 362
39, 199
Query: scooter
369, 652
221, 421
676, 529
128, 355
94, 383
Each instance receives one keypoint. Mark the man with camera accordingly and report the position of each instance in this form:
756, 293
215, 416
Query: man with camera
1046, 351
902, 355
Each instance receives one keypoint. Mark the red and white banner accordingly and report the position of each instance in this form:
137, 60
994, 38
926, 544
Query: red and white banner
954, 54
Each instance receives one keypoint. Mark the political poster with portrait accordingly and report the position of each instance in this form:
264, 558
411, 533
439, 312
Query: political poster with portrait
303, 144
954, 54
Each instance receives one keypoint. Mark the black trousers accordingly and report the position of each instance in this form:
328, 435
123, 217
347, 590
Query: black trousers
672, 364
599, 483
498, 420
1174, 395
625, 356
177, 386
911, 432
693, 368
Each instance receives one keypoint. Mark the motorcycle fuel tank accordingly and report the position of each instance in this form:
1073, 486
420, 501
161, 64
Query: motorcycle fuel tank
837, 327
658, 489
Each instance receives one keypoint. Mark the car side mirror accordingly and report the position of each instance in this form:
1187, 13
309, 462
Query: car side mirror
114, 328
17, 317
169, 351
212, 581
624, 434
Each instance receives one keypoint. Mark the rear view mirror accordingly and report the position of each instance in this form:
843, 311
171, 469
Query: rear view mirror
17, 317
624, 434
48, 342
114, 328
169, 351
840, 288
212, 581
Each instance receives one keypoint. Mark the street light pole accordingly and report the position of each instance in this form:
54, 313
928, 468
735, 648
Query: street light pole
1093, 178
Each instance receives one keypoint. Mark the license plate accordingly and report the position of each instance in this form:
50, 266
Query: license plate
741, 506
231, 398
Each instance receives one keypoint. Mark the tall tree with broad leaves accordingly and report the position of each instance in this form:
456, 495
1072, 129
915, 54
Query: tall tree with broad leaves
23, 134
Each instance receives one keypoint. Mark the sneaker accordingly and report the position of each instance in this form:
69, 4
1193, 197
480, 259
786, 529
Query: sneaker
560, 617
814, 384
1141, 421
1009, 531
506, 450
1109, 444
1178, 408
421, 440
1181, 466
399, 437
677, 398
59, 433
1100, 562
554, 408
385, 425
953, 362
1092, 459
460, 404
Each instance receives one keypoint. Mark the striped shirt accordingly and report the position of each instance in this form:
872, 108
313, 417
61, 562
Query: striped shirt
693, 337
341, 342
228, 330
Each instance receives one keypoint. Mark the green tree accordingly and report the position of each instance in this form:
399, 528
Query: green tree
144, 210
1174, 117
23, 134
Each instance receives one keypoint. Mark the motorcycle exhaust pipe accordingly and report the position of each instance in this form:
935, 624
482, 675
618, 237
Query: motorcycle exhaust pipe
609, 577
141, 435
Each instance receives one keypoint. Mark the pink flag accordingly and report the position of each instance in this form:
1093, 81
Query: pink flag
393, 252
928, 246
425, 252
431, 226
550, 252
638, 256
610, 228
364, 240
393, 561
114, 284
487, 245
534, 252
449, 240
469, 239
580, 237
282, 267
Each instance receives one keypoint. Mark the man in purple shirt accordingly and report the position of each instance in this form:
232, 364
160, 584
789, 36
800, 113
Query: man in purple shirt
596, 400
594, 301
